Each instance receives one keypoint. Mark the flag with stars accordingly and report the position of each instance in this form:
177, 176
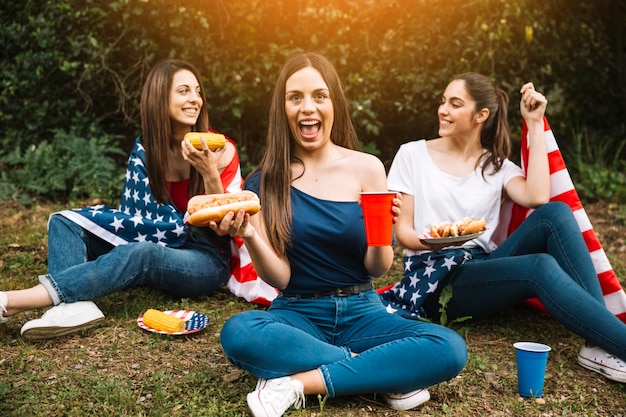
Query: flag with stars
422, 274
139, 218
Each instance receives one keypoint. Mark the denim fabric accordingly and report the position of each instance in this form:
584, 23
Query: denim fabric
546, 257
301, 334
83, 267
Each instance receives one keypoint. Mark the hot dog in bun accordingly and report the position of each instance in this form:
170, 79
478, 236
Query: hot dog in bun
463, 227
203, 209
213, 140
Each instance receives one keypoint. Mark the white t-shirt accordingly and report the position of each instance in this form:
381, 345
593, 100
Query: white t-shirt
440, 197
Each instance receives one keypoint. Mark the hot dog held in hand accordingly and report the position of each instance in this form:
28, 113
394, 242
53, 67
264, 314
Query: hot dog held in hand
203, 209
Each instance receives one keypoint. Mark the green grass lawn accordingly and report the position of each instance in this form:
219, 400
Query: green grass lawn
118, 369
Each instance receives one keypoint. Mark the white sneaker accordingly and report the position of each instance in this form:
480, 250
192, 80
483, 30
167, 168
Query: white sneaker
63, 319
407, 400
272, 397
602, 362
3, 307
260, 383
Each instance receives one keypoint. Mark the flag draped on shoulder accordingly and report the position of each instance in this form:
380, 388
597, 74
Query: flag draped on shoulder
562, 189
141, 219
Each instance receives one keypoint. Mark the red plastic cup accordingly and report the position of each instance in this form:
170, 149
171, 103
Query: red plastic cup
378, 217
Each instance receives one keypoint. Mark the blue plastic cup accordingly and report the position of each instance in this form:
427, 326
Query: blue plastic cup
531, 368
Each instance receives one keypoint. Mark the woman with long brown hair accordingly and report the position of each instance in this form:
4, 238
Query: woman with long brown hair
465, 172
97, 251
327, 332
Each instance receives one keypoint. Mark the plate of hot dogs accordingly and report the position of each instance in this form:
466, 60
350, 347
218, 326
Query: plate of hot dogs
460, 231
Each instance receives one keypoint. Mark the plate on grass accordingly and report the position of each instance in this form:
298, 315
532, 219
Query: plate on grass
194, 322
429, 240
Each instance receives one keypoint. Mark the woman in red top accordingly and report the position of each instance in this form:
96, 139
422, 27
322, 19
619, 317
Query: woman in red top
93, 252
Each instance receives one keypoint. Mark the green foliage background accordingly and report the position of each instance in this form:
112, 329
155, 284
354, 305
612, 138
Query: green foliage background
72, 71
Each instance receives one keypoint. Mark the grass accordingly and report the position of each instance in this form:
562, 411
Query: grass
119, 369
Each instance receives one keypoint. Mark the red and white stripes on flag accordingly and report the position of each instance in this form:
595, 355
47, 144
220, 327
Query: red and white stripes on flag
244, 281
562, 189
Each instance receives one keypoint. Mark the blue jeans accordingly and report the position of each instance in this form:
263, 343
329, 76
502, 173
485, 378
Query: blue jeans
81, 266
546, 257
302, 334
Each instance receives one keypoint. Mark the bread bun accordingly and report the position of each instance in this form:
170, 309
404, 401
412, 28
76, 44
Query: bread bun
463, 227
204, 209
474, 226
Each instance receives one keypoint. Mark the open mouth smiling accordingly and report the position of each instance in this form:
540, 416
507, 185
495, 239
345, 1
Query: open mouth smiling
309, 127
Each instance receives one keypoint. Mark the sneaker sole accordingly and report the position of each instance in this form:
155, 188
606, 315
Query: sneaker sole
256, 408
406, 404
44, 333
609, 373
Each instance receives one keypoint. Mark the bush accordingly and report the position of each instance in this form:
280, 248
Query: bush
68, 168
597, 166
82, 63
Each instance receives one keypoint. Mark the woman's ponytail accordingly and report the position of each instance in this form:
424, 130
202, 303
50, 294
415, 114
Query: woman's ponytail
494, 136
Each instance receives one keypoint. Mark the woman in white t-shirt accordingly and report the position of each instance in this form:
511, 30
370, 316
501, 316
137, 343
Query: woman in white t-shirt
466, 173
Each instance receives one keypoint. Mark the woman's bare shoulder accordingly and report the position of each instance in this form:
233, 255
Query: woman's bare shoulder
368, 168
361, 156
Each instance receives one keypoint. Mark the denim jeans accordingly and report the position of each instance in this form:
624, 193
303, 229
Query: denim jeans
546, 257
301, 334
82, 267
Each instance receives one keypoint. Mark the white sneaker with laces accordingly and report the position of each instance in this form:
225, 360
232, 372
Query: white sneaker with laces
407, 400
599, 360
272, 397
63, 319
3, 307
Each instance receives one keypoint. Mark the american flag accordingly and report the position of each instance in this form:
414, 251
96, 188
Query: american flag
140, 218
422, 274
562, 189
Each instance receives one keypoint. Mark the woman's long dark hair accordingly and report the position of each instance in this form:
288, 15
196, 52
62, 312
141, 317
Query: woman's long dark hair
275, 165
156, 126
